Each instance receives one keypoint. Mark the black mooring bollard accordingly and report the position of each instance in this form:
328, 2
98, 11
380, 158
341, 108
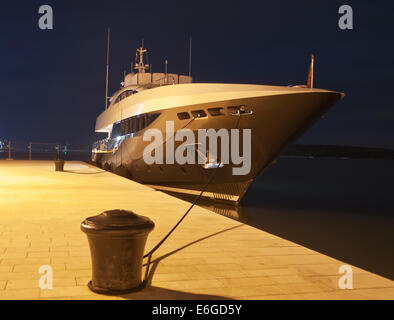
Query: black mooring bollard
59, 165
117, 241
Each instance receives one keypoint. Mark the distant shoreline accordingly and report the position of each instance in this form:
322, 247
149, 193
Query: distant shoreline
333, 151
293, 150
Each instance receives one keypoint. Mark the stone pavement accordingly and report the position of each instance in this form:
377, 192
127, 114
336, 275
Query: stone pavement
208, 257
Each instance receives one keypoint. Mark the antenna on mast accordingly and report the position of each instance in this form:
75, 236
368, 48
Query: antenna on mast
190, 56
139, 65
106, 79
310, 75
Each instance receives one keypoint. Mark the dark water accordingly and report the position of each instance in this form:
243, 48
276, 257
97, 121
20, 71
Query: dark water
343, 208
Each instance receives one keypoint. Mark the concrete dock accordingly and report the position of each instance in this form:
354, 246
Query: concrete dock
209, 256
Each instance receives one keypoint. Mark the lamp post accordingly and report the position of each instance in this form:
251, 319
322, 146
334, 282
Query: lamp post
9, 150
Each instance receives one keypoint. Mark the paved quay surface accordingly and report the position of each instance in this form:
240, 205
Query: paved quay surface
209, 256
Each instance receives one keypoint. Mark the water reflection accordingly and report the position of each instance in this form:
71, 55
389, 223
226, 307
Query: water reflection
341, 208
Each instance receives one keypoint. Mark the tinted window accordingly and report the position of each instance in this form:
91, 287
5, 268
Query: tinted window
137, 123
183, 115
215, 111
199, 114
233, 110
115, 130
152, 117
239, 109
130, 92
142, 121
125, 94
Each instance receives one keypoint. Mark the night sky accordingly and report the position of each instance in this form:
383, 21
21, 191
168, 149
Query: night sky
53, 81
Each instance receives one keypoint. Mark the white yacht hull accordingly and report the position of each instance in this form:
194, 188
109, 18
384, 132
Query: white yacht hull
277, 116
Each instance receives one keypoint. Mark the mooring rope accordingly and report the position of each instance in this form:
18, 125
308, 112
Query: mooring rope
158, 245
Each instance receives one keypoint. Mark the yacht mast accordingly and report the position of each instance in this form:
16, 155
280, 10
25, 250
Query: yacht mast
106, 79
190, 56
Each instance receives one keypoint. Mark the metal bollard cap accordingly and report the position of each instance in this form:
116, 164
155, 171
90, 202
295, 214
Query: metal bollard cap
117, 220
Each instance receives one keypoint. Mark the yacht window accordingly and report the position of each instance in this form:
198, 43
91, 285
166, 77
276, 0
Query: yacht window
183, 115
130, 92
240, 109
115, 130
142, 121
126, 126
152, 117
122, 128
215, 111
233, 110
199, 114
125, 94
136, 124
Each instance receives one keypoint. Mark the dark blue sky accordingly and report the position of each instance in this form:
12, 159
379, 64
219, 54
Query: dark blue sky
53, 82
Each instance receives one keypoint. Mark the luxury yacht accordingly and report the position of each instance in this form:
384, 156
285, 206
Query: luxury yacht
269, 116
